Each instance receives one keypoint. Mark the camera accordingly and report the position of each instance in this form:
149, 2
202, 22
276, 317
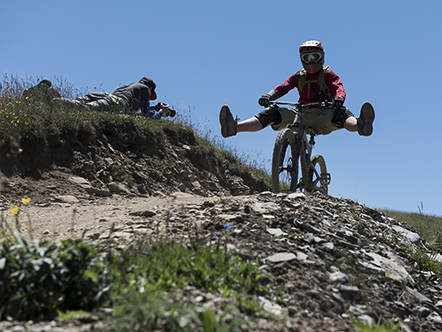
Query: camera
161, 105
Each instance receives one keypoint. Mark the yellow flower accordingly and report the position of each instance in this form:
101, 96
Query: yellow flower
14, 210
25, 200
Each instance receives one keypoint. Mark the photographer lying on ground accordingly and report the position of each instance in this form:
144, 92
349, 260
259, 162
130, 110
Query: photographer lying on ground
133, 98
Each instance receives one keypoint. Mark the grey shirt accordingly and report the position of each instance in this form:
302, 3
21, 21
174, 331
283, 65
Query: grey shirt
135, 96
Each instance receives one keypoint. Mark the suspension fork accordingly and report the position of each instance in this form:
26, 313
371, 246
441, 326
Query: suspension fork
299, 154
303, 157
299, 129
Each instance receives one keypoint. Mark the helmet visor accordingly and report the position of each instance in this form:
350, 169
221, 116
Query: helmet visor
313, 57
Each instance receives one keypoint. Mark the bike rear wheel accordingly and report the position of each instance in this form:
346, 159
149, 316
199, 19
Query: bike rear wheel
319, 179
284, 164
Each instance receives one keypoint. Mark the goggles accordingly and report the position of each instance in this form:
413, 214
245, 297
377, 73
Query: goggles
311, 57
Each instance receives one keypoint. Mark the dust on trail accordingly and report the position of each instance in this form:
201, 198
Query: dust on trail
66, 216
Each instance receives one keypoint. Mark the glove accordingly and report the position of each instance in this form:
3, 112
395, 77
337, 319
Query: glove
264, 101
338, 102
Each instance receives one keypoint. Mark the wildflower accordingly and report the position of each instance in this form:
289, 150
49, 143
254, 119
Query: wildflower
25, 200
14, 210
228, 227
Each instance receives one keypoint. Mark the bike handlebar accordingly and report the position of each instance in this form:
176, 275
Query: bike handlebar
320, 104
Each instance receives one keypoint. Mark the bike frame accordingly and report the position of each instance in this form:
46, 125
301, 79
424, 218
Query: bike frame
304, 147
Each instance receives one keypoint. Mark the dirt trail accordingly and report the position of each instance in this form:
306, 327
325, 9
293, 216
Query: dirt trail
333, 257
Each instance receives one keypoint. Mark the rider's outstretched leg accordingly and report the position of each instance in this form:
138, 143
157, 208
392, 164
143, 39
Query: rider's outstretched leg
365, 121
228, 123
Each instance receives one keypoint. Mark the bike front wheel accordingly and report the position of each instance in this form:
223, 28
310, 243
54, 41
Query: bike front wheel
318, 176
285, 165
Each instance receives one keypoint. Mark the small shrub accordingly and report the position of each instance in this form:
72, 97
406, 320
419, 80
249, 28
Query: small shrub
37, 280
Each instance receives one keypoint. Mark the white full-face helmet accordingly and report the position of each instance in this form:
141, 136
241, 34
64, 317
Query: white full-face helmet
312, 56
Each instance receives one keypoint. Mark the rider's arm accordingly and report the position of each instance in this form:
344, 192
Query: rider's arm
334, 84
285, 87
273, 95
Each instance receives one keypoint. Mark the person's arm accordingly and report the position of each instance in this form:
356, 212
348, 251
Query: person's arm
278, 91
157, 115
145, 107
335, 85
285, 87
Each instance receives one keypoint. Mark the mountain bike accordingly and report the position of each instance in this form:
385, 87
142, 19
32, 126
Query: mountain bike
292, 146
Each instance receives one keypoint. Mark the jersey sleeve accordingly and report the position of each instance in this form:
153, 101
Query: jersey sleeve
158, 115
335, 85
288, 85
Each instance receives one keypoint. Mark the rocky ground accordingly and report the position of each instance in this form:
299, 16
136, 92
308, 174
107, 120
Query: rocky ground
333, 257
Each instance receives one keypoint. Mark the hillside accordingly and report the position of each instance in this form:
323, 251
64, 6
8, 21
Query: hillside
331, 258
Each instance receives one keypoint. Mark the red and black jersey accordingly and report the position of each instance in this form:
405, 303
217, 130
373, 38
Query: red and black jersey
311, 88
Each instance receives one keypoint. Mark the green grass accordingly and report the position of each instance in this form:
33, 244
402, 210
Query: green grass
169, 264
42, 280
426, 261
147, 277
365, 326
429, 227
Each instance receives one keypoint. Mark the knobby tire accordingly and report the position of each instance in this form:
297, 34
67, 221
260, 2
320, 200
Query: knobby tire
317, 185
284, 168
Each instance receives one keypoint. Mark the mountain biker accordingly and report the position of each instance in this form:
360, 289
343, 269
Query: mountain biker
315, 83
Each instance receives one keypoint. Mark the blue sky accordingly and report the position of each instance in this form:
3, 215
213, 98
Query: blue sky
203, 54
